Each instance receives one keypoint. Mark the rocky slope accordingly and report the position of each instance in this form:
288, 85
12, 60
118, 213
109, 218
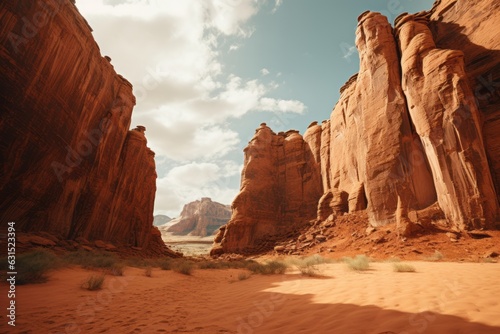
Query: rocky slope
412, 142
200, 218
71, 168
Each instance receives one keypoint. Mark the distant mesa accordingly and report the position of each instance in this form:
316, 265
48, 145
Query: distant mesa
200, 218
160, 220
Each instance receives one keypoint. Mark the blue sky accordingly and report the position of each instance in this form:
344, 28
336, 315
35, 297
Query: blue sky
206, 73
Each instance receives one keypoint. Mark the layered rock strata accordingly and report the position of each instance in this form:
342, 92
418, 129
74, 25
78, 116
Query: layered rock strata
201, 218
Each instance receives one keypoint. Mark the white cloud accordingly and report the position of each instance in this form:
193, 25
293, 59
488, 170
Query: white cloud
270, 104
264, 71
170, 51
349, 51
277, 4
189, 182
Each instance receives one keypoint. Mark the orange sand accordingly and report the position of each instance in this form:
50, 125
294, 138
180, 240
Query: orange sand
438, 298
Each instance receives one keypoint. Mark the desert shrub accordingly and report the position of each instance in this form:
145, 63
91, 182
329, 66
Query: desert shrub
403, 268
116, 269
358, 263
94, 282
184, 267
268, 268
308, 265
311, 271
92, 260
32, 267
148, 271
139, 262
165, 264
212, 265
243, 276
436, 256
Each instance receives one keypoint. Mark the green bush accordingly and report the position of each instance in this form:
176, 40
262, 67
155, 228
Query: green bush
359, 263
403, 268
33, 266
93, 282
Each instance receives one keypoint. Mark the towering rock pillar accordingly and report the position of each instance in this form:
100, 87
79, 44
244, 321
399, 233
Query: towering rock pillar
370, 145
280, 188
444, 111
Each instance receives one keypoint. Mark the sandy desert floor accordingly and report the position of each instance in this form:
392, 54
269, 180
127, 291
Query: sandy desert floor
439, 298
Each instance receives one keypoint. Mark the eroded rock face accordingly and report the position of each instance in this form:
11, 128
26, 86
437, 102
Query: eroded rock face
201, 218
280, 188
70, 165
446, 118
414, 138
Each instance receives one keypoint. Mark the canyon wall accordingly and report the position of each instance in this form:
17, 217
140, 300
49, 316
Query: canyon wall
200, 218
414, 138
70, 166
280, 186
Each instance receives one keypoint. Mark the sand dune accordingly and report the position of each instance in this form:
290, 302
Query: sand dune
438, 298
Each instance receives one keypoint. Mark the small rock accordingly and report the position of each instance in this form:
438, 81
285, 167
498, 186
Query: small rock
39, 241
279, 248
491, 255
453, 240
369, 230
321, 238
477, 234
87, 248
82, 241
451, 235
100, 244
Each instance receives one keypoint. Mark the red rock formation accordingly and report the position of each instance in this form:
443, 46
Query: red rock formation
201, 218
447, 120
70, 165
279, 190
413, 140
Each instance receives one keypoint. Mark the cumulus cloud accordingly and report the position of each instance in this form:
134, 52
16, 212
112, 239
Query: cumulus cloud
264, 71
270, 104
170, 51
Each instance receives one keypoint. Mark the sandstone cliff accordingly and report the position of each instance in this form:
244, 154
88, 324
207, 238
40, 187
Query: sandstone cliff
200, 218
280, 186
413, 140
70, 165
